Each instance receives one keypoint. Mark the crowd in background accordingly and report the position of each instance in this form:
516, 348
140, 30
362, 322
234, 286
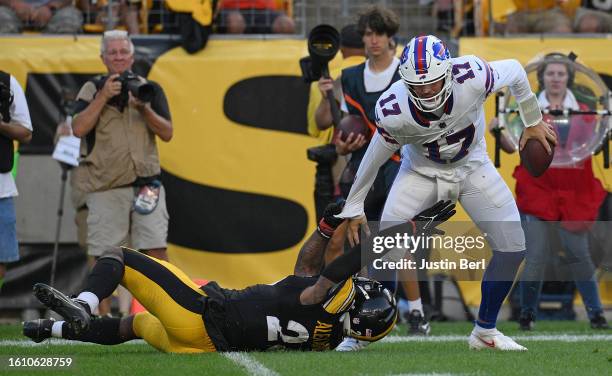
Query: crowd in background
453, 18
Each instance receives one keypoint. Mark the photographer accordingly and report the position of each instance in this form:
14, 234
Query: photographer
117, 117
329, 166
15, 124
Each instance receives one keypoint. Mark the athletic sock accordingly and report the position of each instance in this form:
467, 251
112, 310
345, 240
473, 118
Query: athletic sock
496, 284
90, 299
57, 329
416, 305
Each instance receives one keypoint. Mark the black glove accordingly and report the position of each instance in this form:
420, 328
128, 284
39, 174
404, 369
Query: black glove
329, 222
426, 221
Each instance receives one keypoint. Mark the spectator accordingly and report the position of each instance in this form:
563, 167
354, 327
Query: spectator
253, 17
112, 14
121, 174
569, 195
15, 124
48, 16
594, 17
542, 16
455, 18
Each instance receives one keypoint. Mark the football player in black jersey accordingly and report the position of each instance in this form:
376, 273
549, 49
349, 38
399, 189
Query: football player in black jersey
309, 310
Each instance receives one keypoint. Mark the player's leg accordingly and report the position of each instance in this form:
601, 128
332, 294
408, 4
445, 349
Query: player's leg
102, 330
576, 245
171, 296
536, 259
489, 202
410, 194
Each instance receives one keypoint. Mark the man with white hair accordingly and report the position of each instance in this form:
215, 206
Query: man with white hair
118, 117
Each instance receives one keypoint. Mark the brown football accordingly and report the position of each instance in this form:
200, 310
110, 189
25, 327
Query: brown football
535, 158
354, 124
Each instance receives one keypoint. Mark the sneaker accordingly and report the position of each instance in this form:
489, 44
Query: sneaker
492, 339
75, 312
417, 325
38, 330
599, 322
351, 344
527, 321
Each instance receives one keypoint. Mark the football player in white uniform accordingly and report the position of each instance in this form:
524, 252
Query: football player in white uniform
435, 113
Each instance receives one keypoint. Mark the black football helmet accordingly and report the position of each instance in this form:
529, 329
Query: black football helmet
374, 311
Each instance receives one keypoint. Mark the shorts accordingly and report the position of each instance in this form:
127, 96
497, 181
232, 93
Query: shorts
113, 222
9, 249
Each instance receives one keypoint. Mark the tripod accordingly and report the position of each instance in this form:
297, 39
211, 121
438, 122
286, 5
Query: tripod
60, 212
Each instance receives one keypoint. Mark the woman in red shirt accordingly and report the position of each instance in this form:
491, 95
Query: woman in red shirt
570, 196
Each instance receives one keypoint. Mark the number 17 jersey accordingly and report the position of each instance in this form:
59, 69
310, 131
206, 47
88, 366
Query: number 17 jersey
452, 145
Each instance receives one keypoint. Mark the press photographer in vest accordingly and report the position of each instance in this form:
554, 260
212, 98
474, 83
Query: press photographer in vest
118, 117
15, 125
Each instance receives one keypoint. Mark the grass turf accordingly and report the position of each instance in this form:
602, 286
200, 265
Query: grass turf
590, 357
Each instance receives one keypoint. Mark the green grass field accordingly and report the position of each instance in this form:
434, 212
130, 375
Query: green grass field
556, 348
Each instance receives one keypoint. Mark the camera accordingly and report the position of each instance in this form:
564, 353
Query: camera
323, 45
324, 154
131, 83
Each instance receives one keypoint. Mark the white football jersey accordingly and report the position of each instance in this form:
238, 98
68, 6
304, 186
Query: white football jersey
448, 148
453, 145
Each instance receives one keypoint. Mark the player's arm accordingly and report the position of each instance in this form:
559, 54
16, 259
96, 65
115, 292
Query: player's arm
510, 73
353, 261
378, 152
311, 257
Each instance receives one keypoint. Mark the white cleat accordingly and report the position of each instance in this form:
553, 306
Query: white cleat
492, 339
352, 344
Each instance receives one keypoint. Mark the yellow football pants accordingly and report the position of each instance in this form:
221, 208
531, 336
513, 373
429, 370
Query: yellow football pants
173, 322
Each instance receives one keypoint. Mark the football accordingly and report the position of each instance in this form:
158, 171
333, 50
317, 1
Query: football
354, 124
535, 158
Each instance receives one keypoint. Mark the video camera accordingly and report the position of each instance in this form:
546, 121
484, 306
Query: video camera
132, 83
323, 45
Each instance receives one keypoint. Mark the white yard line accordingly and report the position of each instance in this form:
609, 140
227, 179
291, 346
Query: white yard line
56, 342
388, 339
250, 364
542, 337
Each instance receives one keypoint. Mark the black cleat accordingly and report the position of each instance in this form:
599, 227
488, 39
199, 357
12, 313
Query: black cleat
75, 312
599, 322
417, 325
38, 330
527, 321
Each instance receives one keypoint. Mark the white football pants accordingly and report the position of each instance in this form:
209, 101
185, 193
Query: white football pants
483, 194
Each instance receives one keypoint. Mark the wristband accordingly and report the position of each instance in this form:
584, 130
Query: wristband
324, 229
530, 112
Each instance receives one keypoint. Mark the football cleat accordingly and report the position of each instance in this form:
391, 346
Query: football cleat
75, 312
492, 339
599, 322
38, 330
352, 344
417, 325
527, 321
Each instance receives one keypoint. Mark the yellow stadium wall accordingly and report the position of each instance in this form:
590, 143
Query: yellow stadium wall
210, 149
